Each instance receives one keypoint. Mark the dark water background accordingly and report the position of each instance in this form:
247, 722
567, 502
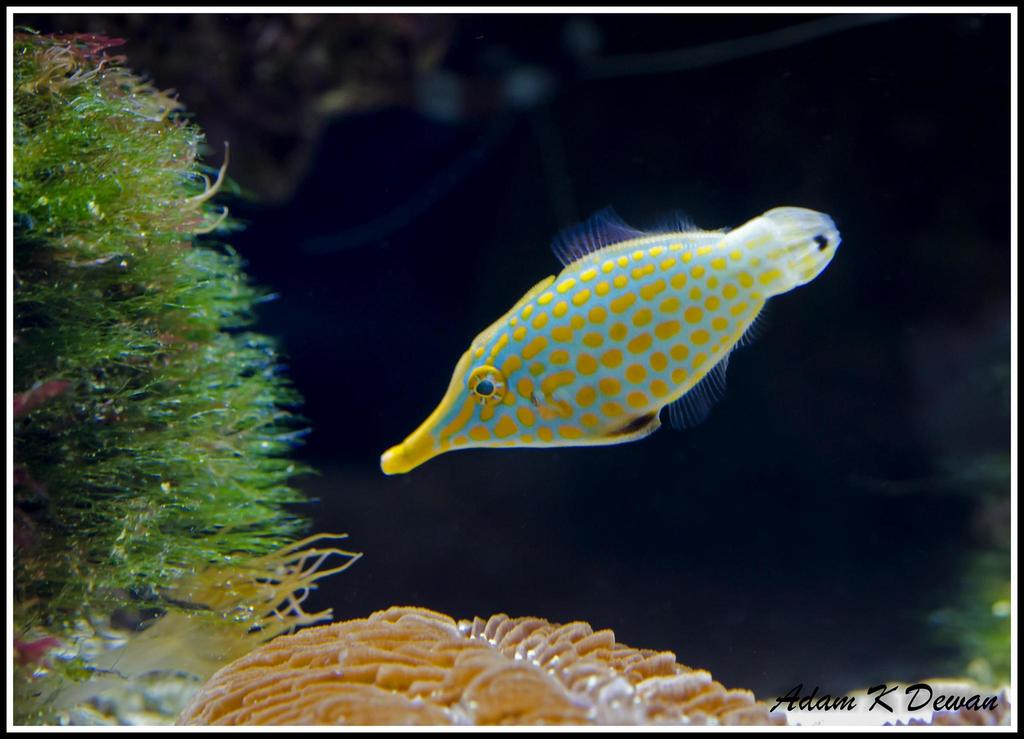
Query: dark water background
810, 528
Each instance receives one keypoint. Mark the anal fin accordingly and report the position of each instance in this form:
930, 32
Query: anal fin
695, 406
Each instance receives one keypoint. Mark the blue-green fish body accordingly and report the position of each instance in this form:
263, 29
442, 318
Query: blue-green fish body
634, 323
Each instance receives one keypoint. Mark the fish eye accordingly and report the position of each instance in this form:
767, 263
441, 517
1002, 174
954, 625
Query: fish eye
486, 385
821, 241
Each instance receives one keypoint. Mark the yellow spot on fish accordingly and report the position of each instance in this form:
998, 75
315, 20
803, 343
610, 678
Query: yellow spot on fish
588, 275
525, 387
666, 330
678, 281
593, 339
712, 282
718, 263
545, 298
597, 314
527, 311
695, 293
659, 389
512, 365
770, 276
609, 386
581, 297
589, 419
480, 350
635, 373
555, 380
729, 291
586, 364
612, 409
541, 320
569, 432
639, 344
637, 399
479, 433
693, 314
688, 257
703, 250
657, 251
699, 359
459, 440
638, 272
618, 331
623, 261
519, 334
738, 309
700, 336
607, 266
668, 264
537, 368
638, 255
622, 303
487, 413
647, 292
735, 255
505, 428
719, 324
586, 396
745, 279
566, 285
602, 288
559, 356
642, 317
525, 416
545, 433
561, 333
535, 347
712, 303
560, 309
611, 358
465, 413
679, 375
697, 271
526, 439
576, 321
669, 305
679, 352
620, 281
658, 362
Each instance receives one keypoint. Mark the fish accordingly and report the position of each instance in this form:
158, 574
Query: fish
636, 322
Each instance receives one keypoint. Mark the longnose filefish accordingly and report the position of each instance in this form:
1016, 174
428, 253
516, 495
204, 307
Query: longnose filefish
636, 321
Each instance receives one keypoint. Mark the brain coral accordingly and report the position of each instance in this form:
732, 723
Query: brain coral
415, 666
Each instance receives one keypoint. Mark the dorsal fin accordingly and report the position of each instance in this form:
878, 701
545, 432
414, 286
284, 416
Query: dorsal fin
693, 407
676, 221
601, 229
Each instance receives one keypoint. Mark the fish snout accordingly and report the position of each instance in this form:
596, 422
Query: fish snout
411, 453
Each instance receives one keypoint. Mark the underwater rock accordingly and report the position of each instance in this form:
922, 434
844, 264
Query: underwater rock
416, 666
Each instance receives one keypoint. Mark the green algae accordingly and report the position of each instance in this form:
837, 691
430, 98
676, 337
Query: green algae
152, 431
